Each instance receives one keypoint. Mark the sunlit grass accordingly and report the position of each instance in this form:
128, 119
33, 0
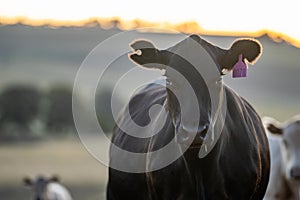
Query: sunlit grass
67, 158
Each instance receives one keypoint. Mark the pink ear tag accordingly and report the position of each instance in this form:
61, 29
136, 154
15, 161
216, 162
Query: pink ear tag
240, 68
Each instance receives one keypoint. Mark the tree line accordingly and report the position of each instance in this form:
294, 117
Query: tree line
29, 112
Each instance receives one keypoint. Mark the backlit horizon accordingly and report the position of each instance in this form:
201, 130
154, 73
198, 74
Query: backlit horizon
188, 27
222, 17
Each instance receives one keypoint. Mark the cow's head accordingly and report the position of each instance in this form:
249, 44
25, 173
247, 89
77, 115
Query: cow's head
39, 185
200, 63
289, 133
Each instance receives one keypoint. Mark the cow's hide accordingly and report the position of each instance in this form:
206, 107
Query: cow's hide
237, 167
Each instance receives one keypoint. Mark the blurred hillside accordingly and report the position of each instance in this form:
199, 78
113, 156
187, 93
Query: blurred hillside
46, 56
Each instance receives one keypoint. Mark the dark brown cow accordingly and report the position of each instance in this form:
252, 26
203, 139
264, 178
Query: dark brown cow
237, 167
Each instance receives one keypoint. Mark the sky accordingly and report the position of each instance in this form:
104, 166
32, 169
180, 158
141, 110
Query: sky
213, 15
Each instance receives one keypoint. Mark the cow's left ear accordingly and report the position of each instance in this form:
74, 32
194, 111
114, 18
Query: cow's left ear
272, 125
54, 178
250, 49
27, 181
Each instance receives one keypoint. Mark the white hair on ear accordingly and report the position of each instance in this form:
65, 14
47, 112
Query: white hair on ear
269, 120
272, 126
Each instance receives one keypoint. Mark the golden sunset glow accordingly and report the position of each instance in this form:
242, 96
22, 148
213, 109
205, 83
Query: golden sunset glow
229, 17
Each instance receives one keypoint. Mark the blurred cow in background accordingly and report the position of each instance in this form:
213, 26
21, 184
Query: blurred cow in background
47, 188
284, 139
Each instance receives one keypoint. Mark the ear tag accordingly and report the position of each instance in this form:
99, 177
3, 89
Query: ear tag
240, 68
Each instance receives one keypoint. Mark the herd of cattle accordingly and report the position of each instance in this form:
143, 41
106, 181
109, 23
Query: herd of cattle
251, 159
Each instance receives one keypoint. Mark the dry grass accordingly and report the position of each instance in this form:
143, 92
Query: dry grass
79, 171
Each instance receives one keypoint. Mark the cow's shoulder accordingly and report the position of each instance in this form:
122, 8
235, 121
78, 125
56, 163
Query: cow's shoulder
140, 104
152, 93
238, 107
138, 112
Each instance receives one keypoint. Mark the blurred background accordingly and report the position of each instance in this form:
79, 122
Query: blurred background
40, 56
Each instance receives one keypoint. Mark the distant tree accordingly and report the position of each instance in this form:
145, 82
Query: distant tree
19, 106
115, 23
58, 111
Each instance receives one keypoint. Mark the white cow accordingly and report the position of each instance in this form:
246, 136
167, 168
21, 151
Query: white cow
47, 188
284, 140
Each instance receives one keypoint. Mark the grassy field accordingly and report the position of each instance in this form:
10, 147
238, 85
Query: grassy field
79, 171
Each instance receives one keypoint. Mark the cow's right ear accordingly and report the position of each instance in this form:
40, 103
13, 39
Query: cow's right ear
27, 181
146, 55
272, 125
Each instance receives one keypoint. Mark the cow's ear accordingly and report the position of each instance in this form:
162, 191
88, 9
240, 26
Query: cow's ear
250, 49
274, 129
54, 178
27, 181
272, 125
146, 54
